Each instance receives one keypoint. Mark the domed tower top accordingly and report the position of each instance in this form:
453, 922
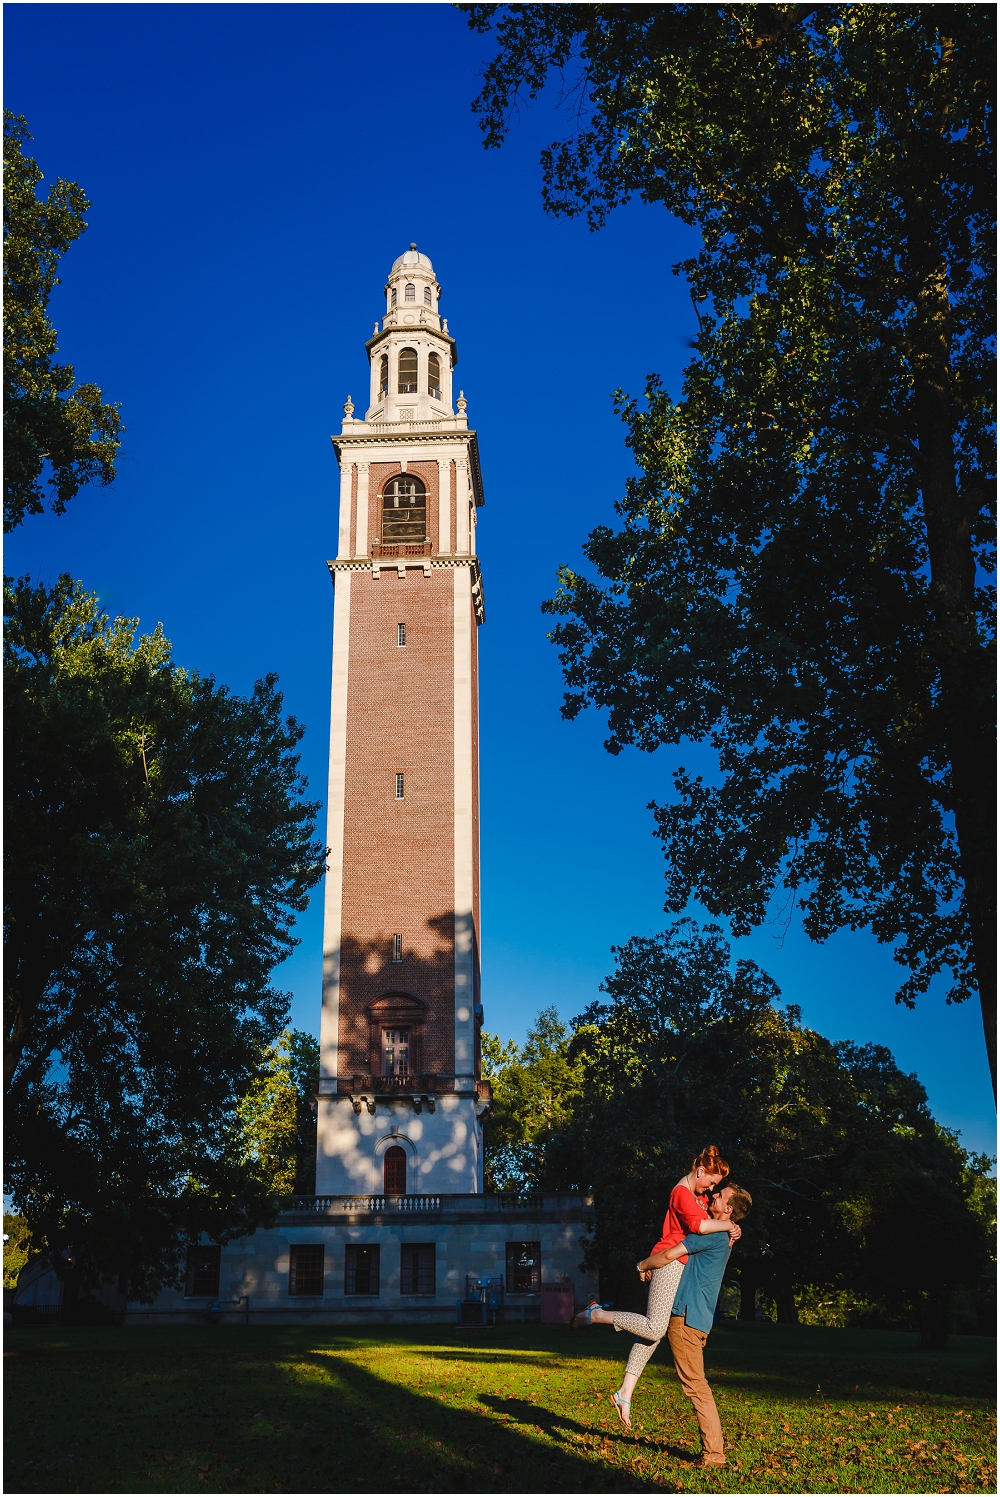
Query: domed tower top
411, 354
412, 287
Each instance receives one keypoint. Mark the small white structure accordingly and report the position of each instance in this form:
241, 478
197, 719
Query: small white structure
348, 1261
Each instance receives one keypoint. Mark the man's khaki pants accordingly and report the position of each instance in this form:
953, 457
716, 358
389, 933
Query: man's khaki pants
688, 1347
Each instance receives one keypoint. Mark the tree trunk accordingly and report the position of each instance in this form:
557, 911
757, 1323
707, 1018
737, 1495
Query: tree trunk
965, 684
935, 1320
748, 1295
788, 1310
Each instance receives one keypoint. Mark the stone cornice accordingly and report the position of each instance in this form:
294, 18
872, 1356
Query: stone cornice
390, 564
348, 440
426, 564
413, 327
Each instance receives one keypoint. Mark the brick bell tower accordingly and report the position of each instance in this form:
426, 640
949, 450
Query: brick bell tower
400, 1091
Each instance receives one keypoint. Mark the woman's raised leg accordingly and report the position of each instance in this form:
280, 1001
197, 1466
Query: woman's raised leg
651, 1327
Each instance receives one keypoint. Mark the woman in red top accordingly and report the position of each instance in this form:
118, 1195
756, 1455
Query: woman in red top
686, 1213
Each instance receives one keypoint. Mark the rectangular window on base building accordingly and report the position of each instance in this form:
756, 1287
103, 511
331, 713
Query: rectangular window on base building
417, 1268
524, 1268
202, 1275
305, 1269
361, 1267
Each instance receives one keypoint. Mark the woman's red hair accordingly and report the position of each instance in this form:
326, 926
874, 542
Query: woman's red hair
711, 1161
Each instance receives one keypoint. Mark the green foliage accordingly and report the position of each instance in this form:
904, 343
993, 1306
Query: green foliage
834, 1142
56, 432
534, 1092
794, 581
276, 1117
157, 852
837, 1308
16, 1247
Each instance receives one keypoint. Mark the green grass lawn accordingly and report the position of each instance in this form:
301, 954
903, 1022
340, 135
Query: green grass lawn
515, 1409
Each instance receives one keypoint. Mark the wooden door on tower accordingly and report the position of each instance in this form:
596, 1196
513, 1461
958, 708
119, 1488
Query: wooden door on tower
394, 1171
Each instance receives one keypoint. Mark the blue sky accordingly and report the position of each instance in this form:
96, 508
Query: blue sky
253, 171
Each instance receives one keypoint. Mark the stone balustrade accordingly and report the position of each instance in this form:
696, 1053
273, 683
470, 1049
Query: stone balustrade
439, 1205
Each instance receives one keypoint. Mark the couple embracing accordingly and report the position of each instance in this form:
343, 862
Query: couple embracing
684, 1272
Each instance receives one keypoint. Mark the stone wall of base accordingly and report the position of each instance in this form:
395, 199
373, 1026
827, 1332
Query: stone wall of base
254, 1280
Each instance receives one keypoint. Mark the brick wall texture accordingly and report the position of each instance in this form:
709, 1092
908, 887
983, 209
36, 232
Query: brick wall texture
399, 855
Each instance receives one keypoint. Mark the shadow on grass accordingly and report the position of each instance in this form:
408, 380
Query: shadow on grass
321, 1409
276, 1418
557, 1426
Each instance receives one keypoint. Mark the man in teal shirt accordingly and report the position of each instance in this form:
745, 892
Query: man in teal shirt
694, 1312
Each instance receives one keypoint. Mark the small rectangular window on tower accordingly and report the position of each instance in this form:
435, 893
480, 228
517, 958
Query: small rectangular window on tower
397, 948
401, 635
399, 787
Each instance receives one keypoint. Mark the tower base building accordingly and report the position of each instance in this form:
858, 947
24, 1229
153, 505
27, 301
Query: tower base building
400, 1227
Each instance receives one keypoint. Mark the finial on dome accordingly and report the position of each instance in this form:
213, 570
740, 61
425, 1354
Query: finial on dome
413, 246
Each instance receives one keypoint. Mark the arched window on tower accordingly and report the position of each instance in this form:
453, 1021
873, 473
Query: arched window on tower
392, 297
404, 509
434, 376
394, 1171
407, 371
427, 296
383, 377
410, 294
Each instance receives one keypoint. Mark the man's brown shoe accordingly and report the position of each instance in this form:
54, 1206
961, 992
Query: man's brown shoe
709, 1463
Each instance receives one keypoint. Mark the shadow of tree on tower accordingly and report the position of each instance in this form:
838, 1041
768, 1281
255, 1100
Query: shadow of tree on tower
369, 972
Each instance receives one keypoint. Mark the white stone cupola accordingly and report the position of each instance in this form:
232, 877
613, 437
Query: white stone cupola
412, 355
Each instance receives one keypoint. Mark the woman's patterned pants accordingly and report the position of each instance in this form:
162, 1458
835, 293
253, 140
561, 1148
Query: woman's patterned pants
652, 1326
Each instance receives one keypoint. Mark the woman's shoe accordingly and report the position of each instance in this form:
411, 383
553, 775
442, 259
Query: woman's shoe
624, 1407
584, 1316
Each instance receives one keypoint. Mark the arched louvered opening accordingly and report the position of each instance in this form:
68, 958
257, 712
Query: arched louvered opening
407, 371
427, 296
434, 376
394, 1171
383, 376
410, 294
392, 297
404, 509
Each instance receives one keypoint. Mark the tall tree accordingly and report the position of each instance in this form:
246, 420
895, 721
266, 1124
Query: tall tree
57, 434
157, 851
836, 1145
535, 1087
798, 579
277, 1115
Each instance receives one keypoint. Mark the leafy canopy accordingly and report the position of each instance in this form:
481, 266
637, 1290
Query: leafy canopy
834, 1142
276, 1117
158, 850
16, 1247
534, 1089
798, 577
56, 433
